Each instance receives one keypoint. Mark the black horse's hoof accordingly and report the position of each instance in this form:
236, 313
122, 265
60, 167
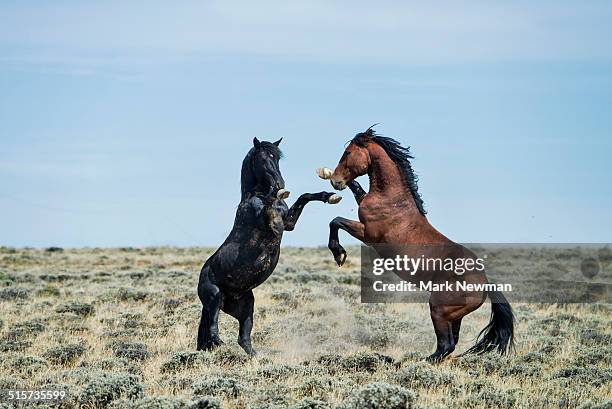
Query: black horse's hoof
248, 349
213, 344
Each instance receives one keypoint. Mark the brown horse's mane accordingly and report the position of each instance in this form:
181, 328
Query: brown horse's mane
398, 154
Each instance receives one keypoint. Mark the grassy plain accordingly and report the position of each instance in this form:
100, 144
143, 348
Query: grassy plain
117, 327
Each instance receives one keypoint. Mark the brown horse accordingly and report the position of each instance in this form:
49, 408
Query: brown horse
392, 218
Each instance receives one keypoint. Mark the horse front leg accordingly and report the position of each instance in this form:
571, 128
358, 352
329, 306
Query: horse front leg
352, 227
357, 190
293, 214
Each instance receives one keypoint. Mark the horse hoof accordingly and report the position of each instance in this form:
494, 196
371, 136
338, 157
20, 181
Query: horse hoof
333, 199
283, 194
341, 258
324, 173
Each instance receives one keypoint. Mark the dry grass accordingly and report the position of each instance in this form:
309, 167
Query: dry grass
117, 328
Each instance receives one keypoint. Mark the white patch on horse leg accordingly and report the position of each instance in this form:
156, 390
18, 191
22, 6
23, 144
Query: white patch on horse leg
324, 173
282, 194
334, 199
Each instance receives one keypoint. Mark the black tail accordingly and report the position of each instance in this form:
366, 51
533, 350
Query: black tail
498, 335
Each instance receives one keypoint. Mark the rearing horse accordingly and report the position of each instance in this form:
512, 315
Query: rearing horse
251, 251
391, 215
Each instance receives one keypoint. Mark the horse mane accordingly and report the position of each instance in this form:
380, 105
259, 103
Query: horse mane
401, 156
247, 176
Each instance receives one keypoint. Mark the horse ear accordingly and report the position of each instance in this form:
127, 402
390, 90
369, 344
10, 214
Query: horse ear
256, 142
278, 142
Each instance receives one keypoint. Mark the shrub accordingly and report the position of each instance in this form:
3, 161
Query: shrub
310, 403
116, 365
25, 330
485, 363
64, 354
492, 398
588, 376
590, 405
363, 361
276, 371
368, 362
14, 346
171, 304
374, 338
7, 383
134, 351
54, 250
105, 387
272, 397
129, 294
182, 360
423, 375
314, 385
229, 356
594, 356
26, 365
155, 402
78, 308
521, 370
5, 278
286, 297
218, 386
594, 337
48, 291
13, 293
381, 395
207, 402
535, 357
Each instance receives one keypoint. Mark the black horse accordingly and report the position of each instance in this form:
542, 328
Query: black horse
251, 251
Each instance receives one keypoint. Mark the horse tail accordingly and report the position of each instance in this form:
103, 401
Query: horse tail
498, 335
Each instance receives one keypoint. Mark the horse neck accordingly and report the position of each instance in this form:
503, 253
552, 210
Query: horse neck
247, 179
248, 186
387, 179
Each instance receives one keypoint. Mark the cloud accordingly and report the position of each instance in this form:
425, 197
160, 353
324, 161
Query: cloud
134, 34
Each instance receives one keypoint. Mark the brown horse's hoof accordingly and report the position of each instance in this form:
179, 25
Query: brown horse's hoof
324, 173
439, 356
341, 258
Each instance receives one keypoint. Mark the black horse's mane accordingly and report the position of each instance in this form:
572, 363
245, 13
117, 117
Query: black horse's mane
247, 177
398, 154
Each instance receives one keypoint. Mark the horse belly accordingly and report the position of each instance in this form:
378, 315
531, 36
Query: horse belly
251, 272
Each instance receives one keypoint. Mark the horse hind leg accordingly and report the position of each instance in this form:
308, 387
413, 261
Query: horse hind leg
208, 330
242, 309
456, 327
445, 342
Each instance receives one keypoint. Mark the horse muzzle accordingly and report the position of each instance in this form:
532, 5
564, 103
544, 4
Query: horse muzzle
338, 184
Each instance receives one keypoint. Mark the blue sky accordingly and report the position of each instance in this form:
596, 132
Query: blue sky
125, 124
